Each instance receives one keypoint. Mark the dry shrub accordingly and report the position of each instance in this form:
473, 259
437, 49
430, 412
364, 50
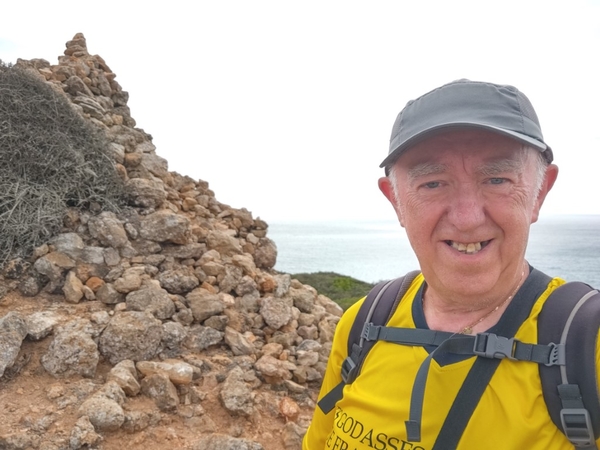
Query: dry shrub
51, 158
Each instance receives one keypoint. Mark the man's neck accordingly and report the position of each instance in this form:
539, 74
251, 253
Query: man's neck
457, 314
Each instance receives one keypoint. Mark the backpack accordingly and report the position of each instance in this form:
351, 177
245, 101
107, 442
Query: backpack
568, 328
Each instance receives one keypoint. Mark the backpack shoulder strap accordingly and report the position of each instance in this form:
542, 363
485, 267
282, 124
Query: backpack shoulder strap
377, 308
571, 317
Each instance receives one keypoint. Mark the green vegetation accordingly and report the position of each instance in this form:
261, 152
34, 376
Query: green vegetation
342, 289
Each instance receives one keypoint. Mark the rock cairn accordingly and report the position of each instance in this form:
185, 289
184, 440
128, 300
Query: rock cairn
182, 302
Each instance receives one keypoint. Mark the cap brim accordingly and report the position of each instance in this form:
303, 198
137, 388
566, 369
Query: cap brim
430, 132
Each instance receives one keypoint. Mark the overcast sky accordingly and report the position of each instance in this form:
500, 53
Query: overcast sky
286, 108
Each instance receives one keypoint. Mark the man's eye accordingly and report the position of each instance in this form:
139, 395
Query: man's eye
497, 180
432, 184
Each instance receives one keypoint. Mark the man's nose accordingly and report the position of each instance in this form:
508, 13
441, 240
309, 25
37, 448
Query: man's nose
466, 207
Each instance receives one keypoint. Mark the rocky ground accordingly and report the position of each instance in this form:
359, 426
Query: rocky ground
42, 411
159, 326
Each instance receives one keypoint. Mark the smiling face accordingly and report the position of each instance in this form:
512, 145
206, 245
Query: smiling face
466, 200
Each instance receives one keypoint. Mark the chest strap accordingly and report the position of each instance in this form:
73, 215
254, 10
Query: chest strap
488, 345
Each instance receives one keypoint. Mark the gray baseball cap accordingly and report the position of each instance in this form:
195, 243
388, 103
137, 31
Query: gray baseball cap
467, 104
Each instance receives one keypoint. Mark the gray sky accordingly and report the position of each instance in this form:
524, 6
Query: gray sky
285, 108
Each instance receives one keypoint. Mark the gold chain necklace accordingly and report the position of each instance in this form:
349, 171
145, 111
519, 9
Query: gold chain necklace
469, 328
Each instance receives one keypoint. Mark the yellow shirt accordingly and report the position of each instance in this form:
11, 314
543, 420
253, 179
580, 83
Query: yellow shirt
511, 414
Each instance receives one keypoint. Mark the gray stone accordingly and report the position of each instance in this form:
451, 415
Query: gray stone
145, 193
83, 435
166, 226
245, 286
283, 284
223, 243
104, 413
29, 286
15, 268
173, 334
156, 165
153, 300
246, 262
75, 86
276, 311
131, 335
20, 440
178, 281
108, 230
217, 322
308, 332
125, 375
136, 421
193, 250
213, 268
330, 306
13, 330
273, 370
238, 343
204, 304
40, 324
292, 436
309, 346
111, 257
118, 152
161, 390
304, 299
113, 391
72, 351
327, 328
92, 255
265, 255
73, 288
108, 295
235, 395
146, 247
231, 279
200, 338
90, 106
53, 265
131, 280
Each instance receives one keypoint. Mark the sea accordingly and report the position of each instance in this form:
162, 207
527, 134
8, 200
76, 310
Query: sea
567, 246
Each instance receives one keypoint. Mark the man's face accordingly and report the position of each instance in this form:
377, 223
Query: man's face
466, 200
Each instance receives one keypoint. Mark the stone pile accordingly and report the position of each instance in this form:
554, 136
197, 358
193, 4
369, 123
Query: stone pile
182, 299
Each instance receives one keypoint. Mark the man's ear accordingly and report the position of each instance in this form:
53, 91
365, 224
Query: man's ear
385, 186
549, 180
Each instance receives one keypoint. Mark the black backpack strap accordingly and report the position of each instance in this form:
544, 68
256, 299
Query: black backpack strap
377, 308
484, 368
571, 316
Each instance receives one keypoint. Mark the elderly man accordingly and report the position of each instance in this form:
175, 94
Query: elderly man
467, 173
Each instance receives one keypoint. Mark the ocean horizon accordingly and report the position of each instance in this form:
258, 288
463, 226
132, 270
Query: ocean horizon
567, 246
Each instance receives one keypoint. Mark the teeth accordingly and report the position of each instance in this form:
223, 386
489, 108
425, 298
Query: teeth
469, 249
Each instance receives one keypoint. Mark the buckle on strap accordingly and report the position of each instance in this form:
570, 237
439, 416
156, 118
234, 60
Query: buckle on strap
370, 332
490, 345
557, 355
349, 370
577, 426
